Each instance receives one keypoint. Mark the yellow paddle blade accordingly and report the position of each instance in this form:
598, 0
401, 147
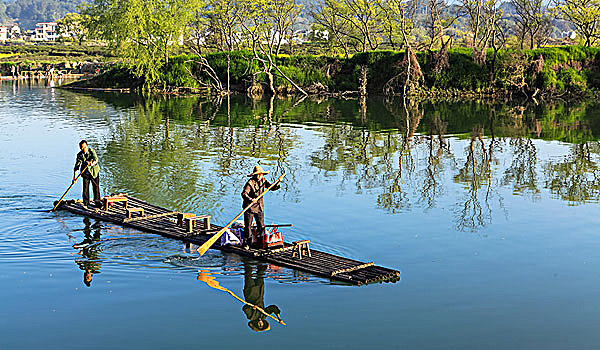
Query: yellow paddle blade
210, 280
203, 248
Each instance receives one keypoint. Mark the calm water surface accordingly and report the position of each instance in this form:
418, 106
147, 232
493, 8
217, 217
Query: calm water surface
490, 211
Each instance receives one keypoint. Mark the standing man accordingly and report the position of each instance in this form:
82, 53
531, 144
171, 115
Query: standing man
255, 186
87, 157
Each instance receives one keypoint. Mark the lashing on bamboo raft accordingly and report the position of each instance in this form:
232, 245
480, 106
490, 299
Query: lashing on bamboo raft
239, 237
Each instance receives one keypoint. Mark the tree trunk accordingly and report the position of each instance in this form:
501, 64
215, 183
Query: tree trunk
228, 68
362, 82
270, 78
530, 39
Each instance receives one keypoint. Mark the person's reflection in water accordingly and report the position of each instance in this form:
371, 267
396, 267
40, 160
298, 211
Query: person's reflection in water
254, 293
89, 251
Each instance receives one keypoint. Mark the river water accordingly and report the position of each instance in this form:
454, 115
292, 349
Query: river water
489, 210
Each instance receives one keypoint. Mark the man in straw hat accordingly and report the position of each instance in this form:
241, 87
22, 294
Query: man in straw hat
256, 185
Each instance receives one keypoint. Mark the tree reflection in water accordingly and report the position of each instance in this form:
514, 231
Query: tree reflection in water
159, 150
193, 153
576, 177
475, 174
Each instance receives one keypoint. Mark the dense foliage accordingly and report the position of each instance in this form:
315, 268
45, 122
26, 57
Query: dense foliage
563, 70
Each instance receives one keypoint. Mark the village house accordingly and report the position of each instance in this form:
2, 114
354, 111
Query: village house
15, 32
3, 33
45, 31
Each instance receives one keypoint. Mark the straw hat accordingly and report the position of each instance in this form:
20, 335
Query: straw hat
258, 170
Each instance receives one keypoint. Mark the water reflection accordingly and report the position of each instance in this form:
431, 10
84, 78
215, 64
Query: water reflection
89, 250
254, 295
576, 177
189, 153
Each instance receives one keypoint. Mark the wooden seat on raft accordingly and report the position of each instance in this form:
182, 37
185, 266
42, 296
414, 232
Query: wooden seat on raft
182, 216
130, 212
108, 200
191, 221
300, 247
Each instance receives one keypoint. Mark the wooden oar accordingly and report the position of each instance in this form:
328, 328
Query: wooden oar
203, 248
68, 189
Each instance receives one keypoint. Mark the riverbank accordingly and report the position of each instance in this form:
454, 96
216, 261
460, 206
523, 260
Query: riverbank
546, 73
68, 59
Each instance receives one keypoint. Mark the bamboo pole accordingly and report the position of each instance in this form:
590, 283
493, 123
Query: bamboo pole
68, 189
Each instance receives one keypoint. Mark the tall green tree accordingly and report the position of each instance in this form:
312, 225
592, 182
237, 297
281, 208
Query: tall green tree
144, 32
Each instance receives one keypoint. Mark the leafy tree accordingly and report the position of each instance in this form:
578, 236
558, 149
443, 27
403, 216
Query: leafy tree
145, 33
74, 25
398, 20
224, 24
282, 15
326, 19
583, 14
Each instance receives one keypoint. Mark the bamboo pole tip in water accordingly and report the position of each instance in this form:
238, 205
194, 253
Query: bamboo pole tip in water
201, 250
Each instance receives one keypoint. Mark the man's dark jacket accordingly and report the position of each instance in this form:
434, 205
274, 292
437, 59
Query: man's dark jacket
253, 189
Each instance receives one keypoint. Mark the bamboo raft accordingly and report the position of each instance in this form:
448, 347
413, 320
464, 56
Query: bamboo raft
162, 221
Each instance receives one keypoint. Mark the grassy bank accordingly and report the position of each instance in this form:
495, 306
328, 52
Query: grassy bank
38, 57
543, 73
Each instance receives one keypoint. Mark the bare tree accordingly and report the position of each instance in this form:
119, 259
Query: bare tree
356, 23
438, 21
259, 26
532, 21
481, 16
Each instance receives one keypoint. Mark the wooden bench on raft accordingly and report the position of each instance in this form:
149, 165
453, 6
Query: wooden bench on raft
108, 200
130, 212
189, 220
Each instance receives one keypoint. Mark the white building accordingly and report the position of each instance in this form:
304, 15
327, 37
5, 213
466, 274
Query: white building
15, 32
318, 35
3, 33
298, 37
45, 31
569, 35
